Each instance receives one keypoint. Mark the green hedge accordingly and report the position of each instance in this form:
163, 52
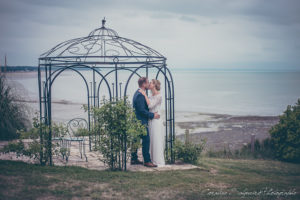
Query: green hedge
286, 135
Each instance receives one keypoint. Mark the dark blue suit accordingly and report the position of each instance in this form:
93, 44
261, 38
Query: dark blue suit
142, 113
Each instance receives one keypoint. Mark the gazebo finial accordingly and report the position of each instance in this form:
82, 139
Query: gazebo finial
103, 22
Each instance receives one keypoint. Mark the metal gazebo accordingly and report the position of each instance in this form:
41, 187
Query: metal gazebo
103, 50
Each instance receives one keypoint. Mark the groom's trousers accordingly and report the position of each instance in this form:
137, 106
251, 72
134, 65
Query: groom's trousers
145, 148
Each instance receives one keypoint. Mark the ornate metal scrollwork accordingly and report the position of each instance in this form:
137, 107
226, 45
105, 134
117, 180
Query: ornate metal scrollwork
75, 124
102, 42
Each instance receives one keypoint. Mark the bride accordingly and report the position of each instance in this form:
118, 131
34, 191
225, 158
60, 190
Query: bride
156, 128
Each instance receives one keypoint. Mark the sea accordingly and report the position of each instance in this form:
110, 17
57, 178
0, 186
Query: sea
233, 92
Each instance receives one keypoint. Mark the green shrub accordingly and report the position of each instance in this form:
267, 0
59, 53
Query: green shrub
38, 149
17, 147
286, 135
32, 151
262, 150
80, 132
187, 151
116, 123
13, 114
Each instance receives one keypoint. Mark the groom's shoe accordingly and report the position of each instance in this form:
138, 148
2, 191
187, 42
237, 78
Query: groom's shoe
136, 162
149, 164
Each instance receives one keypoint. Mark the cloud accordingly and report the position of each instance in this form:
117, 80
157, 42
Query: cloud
189, 33
188, 18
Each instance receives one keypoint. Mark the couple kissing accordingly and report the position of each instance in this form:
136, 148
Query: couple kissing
147, 110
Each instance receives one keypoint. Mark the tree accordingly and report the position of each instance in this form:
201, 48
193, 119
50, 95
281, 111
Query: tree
285, 135
13, 114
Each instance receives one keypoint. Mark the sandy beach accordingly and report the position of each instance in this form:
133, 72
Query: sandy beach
229, 131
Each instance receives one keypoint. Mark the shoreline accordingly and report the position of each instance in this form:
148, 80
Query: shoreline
225, 114
217, 115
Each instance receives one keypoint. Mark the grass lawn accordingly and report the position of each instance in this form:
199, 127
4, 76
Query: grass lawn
219, 179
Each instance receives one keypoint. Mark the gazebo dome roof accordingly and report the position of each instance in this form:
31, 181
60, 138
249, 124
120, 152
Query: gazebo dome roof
102, 45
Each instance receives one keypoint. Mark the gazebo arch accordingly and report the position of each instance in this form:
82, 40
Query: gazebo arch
103, 49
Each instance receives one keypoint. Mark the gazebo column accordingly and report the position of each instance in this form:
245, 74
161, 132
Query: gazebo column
50, 117
116, 77
166, 114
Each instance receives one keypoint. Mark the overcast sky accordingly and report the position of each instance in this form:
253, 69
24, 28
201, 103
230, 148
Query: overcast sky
257, 34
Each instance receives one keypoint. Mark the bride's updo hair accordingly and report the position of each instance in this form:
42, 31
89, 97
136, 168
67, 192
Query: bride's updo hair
156, 84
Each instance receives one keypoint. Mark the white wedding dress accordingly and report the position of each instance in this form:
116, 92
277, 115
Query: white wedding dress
156, 132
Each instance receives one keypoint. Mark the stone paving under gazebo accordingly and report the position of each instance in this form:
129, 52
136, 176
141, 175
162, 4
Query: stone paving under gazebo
93, 160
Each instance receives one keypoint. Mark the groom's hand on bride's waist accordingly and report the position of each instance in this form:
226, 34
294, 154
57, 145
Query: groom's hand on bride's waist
156, 116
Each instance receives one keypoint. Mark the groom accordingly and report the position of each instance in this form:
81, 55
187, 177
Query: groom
142, 113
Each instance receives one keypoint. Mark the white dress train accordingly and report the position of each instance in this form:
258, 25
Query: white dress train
156, 132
